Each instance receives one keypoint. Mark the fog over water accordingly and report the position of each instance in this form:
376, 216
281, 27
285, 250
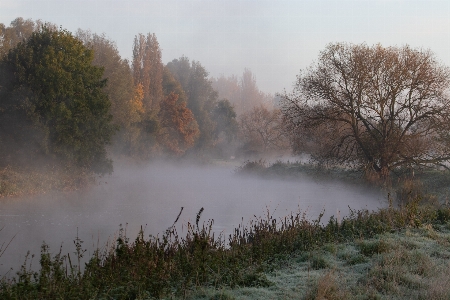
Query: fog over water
152, 196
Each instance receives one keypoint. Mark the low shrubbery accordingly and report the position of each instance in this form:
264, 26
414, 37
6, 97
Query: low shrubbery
173, 266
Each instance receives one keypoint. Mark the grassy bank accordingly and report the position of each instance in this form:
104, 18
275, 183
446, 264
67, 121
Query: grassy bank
16, 182
400, 252
254, 260
412, 263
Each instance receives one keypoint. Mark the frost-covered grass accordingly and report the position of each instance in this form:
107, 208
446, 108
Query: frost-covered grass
413, 263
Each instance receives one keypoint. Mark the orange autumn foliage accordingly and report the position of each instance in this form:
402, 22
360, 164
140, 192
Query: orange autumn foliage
179, 129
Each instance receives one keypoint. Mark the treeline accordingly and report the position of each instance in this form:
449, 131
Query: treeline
71, 99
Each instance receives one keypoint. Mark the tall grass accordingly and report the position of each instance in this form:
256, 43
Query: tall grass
171, 265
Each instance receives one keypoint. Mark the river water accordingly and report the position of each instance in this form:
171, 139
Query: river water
152, 196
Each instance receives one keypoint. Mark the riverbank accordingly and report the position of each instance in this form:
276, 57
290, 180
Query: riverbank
412, 263
404, 184
391, 253
361, 255
18, 182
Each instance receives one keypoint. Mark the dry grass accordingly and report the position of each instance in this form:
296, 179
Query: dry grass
408, 264
16, 182
328, 287
439, 287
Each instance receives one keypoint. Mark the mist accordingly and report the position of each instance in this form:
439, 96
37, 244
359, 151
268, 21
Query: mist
151, 196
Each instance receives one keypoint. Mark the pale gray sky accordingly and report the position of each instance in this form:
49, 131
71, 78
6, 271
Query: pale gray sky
275, 39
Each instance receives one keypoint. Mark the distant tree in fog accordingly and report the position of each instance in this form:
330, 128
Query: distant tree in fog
51, 88
138, 136
18, 31
201, 97
229, 88
262, 130
373, 107
137, 123
243, 93
226, 125
117, 73
250, 94
172, 85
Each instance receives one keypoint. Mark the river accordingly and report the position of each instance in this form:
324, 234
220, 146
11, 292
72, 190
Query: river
151, 196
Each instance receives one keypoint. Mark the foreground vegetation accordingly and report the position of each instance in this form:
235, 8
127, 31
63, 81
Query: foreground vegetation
391, 252
412, 263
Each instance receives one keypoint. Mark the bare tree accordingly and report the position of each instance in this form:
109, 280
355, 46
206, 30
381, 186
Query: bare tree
373, 107
262, 130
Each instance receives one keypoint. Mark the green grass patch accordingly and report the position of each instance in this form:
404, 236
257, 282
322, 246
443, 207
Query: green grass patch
369, 248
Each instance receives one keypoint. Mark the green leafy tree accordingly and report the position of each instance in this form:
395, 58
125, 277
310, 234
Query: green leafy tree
54, 85
117, 72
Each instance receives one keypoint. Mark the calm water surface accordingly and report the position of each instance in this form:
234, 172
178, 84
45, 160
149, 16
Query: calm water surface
152, 196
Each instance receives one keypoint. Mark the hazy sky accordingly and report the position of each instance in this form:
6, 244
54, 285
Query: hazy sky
275, 39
